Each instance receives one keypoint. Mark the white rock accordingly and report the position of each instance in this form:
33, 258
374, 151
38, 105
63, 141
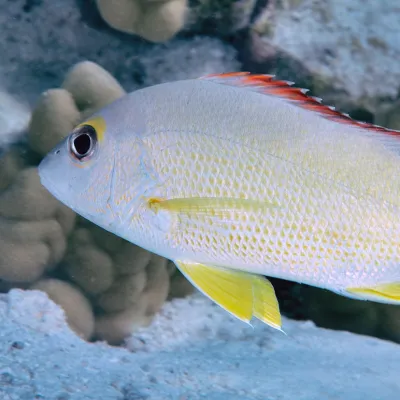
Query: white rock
350, 49
14, 118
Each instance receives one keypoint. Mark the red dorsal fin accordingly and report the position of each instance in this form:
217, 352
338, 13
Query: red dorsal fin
268, 85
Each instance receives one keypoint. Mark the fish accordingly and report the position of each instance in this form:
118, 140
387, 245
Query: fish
237, 178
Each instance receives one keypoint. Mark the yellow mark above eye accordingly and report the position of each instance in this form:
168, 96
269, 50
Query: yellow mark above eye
99, 124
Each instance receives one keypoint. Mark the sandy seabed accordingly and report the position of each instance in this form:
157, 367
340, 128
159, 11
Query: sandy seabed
193, 350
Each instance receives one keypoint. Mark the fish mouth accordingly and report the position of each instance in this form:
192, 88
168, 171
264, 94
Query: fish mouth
46, 182
57, 194
47, 185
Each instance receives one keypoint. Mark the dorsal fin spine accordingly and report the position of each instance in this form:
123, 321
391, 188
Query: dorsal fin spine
266, 84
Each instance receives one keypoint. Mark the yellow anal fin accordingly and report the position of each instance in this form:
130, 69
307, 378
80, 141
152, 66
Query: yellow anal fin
208, 205
242, 294
389, 292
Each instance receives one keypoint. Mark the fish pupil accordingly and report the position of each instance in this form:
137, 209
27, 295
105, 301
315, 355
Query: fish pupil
82, 144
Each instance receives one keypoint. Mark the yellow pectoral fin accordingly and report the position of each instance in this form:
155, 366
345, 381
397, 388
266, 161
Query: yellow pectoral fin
207, 205
388, 293
242, 294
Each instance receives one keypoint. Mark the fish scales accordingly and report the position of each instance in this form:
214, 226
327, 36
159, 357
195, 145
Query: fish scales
324, 223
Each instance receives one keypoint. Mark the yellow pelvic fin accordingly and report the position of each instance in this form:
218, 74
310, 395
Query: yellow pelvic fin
389, 291
207, 205
242, 294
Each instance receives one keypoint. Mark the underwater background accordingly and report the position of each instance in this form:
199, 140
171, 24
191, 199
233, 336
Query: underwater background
85, 314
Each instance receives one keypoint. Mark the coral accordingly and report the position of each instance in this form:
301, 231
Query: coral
43, 240
155, 21
11, 162
33, 225
179, 286
55, 115
161, 20
149, 292
114, 328
124, 292
86, 265
127, 284
86, 88
37, 48
157, 286
91, 87
77, 308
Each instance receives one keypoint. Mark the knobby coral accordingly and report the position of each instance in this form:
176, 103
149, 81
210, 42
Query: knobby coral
154, 20
126, 284
106, 285
33, 225
86, 88
76, 306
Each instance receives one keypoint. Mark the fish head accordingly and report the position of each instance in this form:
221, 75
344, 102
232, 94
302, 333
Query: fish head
97, 170
77, 171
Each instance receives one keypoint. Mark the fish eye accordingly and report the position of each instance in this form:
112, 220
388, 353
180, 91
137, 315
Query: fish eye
83, 142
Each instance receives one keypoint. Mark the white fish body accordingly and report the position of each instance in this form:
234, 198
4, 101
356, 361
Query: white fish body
237, 176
